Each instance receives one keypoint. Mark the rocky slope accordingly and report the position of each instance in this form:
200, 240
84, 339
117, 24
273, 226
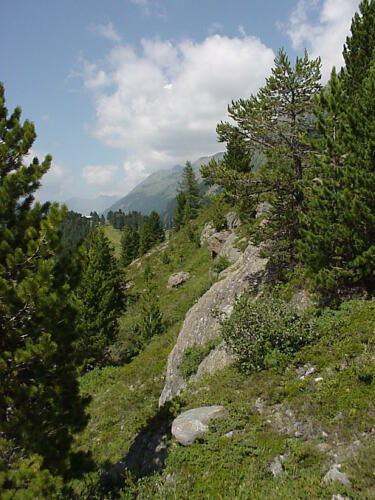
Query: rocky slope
200, 325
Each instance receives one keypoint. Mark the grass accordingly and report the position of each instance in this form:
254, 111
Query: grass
330, 415
272, 413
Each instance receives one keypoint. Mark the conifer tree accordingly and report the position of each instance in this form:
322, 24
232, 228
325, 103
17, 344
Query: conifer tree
276, 123
40, 405
127, 251
190, 186
156, 228
145, 239
180, 210
338, 242
101, 297
359, 47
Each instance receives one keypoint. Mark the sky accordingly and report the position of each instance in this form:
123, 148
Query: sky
122, 88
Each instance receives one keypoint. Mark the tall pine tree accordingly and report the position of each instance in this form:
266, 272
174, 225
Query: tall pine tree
40, 405
101, 297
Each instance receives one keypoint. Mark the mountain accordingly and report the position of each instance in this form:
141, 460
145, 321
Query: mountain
86, 205
157, 190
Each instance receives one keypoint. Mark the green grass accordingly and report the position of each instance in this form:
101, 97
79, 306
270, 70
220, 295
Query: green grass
342, 406
329, 415
114, 236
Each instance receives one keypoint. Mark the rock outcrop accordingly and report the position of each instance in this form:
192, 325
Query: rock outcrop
177, 279
216, 242
200, 325
192, 423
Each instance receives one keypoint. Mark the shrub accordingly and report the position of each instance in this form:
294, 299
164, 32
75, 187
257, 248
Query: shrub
194, 355
220, 264
257, 330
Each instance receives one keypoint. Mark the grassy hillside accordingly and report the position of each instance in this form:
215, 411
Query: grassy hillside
306, 423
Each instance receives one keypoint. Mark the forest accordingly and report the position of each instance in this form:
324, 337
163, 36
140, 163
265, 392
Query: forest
87, 319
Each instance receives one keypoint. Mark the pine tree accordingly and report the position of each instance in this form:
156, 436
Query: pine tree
190, 186
129, 245
359, 47
338, 242
101, 297
275, 123
151, 321
40, 405
180, 209
156, 228
145, 239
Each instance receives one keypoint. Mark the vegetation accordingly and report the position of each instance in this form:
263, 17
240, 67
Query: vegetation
40, 406
74, 229
101, 301
264, 332
194, 355
301, 392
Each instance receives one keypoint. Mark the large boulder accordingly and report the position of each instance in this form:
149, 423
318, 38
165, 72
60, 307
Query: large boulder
192, 423
200, 325
216, 242
229, 249
233, 220
207, 231
177, 279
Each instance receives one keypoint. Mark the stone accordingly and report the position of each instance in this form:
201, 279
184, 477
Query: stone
207, 231
233, 221
305, 371
335, 475
229, 250
216, 242
276, 467
193, 423
177, 279
200, 325
339, 497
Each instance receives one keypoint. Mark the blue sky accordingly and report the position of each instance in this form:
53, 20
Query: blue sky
121, 88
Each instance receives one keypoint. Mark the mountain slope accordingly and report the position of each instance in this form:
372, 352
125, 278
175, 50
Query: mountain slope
86, 205
157, 190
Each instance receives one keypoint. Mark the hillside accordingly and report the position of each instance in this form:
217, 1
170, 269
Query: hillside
86, 205
157, 190
290, 426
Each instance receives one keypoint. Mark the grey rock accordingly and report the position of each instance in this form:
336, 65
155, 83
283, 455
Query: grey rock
339, 497
334, 475
276, 467
233, 221
207, 231
305, 371
229, 250
177, 279
216, 242
192, 423
200, 325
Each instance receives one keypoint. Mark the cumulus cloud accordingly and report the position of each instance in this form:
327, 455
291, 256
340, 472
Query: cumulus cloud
106, 31
55, 183
162, 103
326, 35
100, 175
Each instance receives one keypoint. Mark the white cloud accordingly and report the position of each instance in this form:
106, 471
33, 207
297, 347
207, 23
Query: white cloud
162, 106
100, 175
326, 36
55, 183
106, 31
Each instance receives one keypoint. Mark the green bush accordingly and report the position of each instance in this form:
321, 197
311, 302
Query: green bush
260, 332
220, 264
194, 355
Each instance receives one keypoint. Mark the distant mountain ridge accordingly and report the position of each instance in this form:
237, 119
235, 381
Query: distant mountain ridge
86, 205
158, 189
